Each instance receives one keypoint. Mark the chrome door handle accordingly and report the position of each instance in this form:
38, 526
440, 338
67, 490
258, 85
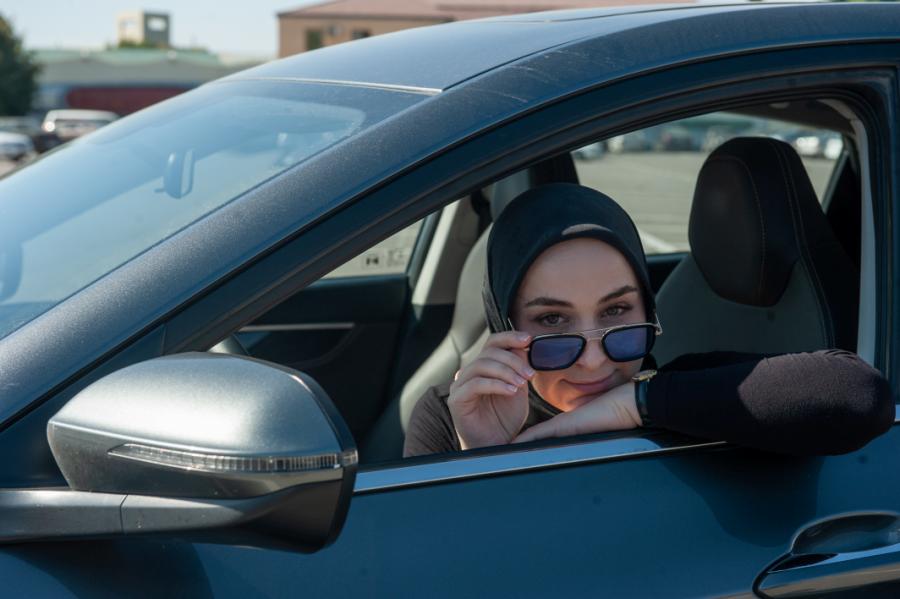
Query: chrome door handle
854, 552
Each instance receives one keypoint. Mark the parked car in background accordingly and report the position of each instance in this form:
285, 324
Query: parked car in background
29, 126
147, 455
67, 124
637, 141
25, 125
677, 139
15, 146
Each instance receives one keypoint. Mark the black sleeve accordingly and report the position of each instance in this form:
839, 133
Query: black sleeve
819, 403
431, 427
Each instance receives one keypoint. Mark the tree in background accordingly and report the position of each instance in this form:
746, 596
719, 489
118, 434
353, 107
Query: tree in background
18, 73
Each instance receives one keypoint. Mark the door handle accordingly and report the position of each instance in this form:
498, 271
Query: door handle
849, 554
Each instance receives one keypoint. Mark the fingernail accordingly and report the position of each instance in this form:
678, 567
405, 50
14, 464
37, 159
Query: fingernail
524, 336
529, 371
512, 388
519, 380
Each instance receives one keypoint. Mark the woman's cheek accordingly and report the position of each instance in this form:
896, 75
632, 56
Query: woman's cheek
546, 383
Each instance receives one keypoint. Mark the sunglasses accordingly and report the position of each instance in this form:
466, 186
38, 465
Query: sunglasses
622, 343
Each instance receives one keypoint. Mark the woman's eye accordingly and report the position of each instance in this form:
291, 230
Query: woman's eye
617, 310
550, 320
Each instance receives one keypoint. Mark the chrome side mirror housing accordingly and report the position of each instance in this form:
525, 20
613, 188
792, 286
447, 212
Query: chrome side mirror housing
198, 443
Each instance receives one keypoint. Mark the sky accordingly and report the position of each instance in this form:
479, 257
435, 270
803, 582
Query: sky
248, 27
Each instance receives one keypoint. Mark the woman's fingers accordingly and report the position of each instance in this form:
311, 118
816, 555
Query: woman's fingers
507, 369
479, 386
511, 359
508, 340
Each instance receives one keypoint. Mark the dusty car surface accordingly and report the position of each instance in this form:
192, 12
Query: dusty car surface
334, 231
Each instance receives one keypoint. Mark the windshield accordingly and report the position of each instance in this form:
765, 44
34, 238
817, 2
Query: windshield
92, 205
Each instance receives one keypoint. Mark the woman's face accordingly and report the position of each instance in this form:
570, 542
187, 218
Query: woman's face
573, 286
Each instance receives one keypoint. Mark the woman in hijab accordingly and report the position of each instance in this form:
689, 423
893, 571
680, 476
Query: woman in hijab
573, 319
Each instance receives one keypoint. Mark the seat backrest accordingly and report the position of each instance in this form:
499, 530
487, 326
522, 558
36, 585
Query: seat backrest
468, 328
765, 273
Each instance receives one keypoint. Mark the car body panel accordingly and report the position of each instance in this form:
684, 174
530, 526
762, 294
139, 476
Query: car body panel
589, 530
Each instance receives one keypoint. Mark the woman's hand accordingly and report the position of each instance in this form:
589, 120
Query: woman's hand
489, 398
615, 410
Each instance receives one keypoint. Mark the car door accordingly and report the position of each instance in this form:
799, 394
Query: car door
643, 513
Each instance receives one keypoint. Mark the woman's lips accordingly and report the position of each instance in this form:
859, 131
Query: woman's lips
595, 387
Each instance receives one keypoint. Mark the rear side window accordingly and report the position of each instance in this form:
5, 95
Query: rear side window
389, 257
652, 172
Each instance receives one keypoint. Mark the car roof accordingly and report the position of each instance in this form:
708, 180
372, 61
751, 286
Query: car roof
432, 59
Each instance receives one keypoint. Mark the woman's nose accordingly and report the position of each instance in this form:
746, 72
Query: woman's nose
593, 355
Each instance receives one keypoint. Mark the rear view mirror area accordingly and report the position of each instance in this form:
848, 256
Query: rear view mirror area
199, 446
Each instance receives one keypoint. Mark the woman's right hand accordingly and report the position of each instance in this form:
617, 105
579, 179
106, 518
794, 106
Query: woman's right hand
489, 398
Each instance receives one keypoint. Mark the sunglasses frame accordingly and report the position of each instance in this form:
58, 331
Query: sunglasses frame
587, 336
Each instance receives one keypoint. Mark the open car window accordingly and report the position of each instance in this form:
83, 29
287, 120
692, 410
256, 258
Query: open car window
652, 171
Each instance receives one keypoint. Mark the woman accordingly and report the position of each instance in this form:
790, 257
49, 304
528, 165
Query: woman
573, 319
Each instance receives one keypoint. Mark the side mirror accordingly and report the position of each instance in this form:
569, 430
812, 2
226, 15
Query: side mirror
203, 446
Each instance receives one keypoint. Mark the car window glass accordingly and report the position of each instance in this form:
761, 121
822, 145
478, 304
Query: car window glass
94, 204
391, 256
652, 171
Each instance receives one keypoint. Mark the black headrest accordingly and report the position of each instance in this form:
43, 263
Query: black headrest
753, 215
558, 169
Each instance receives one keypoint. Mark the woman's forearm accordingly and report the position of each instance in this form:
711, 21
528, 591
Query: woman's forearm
816, 403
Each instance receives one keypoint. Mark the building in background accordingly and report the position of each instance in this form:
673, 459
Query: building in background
123, 80
140, 28
336, 21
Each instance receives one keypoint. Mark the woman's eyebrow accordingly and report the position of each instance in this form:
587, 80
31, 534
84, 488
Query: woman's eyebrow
548, 301
617, 293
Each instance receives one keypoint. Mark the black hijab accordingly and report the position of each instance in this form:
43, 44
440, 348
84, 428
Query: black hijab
540, 218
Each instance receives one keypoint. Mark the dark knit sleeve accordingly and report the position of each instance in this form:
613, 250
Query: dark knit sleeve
818, 403
431, 427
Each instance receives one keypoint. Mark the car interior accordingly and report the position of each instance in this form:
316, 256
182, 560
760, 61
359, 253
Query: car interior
766, 259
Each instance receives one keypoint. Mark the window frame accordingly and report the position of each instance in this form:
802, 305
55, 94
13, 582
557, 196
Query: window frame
639, 443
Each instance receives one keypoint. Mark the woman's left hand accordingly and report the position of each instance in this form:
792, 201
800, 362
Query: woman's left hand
615, 410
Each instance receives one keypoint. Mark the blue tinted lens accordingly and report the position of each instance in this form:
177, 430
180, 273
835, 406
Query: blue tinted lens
625, 345
555, 353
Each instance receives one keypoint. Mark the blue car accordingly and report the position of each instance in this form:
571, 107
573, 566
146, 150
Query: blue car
217, 314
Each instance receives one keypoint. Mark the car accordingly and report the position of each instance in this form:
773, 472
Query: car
15, 146
25, 125
69, 123
334, 231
